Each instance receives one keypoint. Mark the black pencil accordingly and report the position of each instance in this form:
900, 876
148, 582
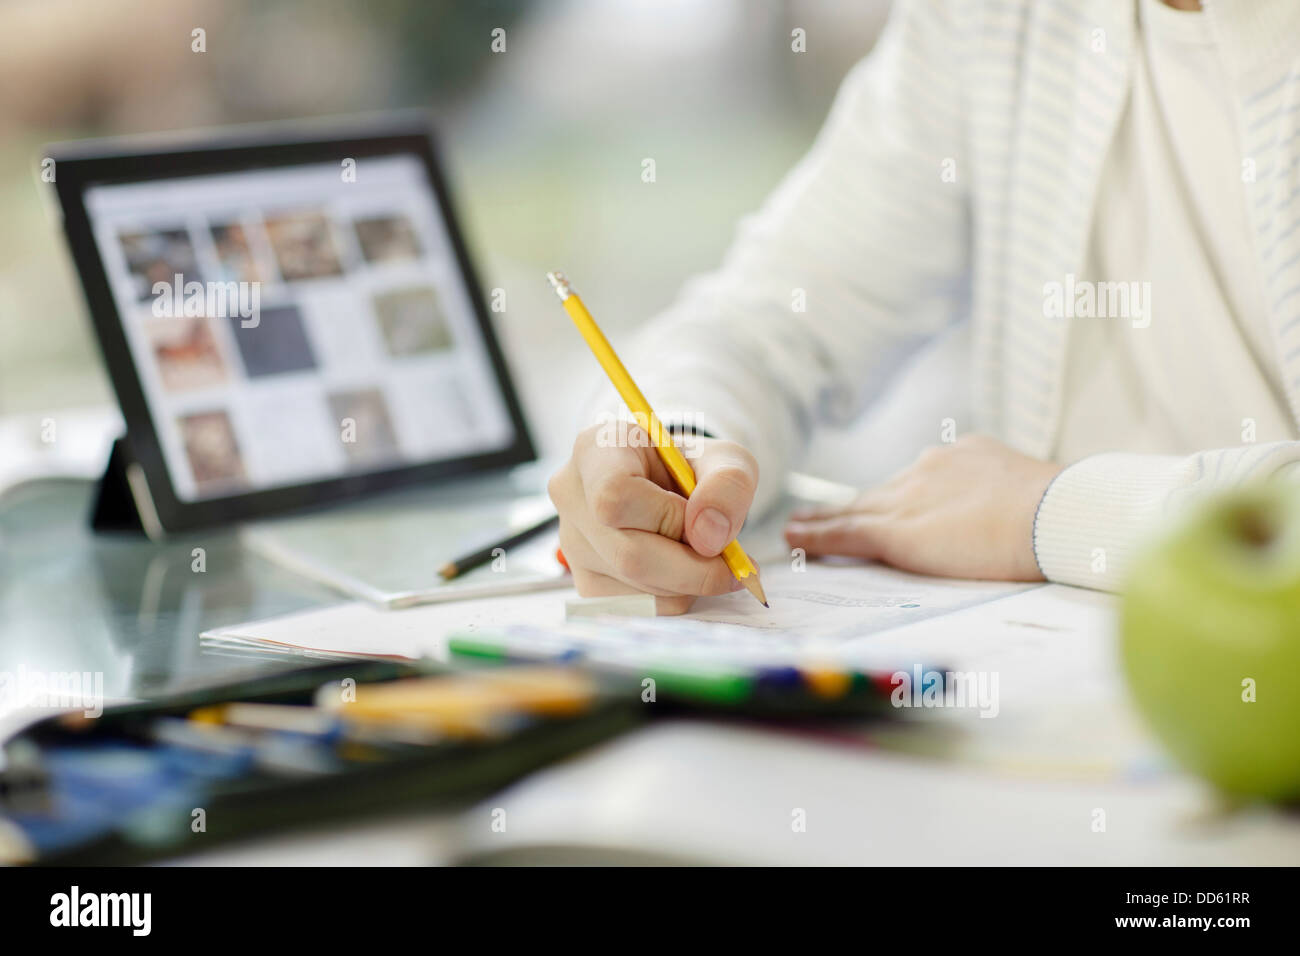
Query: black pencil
474, 559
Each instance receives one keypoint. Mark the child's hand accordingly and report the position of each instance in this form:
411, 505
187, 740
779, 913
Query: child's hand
964, 510
624, 528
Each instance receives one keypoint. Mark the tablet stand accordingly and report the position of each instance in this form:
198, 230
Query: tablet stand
115, 508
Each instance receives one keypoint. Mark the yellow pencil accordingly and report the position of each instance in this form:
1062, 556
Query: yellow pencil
733, 554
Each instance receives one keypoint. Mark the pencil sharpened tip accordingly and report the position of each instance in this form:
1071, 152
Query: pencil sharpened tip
751, 584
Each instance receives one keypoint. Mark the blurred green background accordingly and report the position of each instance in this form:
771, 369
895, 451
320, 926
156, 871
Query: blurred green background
544, 141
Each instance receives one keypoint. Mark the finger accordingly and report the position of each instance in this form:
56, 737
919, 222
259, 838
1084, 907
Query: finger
626, 486
673, 605
858, 536
597, 455
583, 556
874, 500
654, 563
585, 560
577, 552
726, 477
594, 584
635, 503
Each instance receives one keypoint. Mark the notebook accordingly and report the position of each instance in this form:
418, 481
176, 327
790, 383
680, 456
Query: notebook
389, 557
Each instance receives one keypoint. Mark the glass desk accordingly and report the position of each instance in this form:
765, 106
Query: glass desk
74, 601
119, 605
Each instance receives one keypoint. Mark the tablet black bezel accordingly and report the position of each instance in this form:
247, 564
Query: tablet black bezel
79, 165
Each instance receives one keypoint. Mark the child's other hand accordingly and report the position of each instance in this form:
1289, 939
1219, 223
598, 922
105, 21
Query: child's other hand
964, 510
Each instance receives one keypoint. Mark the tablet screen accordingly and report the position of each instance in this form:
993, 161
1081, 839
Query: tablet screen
297, 323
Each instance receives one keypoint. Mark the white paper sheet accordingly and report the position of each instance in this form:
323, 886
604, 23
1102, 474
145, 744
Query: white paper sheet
811, 610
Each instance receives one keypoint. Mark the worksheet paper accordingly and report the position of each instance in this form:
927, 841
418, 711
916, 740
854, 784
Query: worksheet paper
815, 607
1045, 656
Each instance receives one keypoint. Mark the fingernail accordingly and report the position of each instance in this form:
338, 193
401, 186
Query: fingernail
712, 529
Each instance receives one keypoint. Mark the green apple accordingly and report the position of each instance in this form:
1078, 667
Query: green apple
1210, 641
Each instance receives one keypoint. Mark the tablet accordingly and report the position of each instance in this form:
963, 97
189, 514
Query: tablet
287, 319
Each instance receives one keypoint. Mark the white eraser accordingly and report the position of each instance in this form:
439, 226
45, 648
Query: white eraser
616, 605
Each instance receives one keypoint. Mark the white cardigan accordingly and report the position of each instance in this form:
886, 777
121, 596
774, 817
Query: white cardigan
955, 174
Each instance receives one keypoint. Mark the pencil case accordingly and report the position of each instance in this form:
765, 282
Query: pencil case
289, 751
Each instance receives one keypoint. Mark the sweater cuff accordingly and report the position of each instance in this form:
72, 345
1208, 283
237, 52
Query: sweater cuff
1097, 513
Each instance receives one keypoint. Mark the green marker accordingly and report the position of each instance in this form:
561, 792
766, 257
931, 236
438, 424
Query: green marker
502, 648
703, 685
713, 687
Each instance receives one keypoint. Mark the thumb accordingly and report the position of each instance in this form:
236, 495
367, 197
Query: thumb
726, 477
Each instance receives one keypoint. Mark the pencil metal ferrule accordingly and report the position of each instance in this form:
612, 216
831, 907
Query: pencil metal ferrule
560, 284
